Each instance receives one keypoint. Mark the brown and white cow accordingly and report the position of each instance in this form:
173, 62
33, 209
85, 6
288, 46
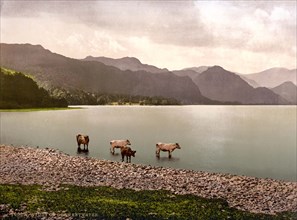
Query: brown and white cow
170, 147
118, 144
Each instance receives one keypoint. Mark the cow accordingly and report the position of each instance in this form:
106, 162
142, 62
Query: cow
128, 152
83, 139
118, 144
170, 147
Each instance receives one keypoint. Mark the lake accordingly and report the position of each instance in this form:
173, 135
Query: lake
255, 141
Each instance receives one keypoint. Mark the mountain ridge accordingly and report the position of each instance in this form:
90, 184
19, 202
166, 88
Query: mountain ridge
219, 84
194, 85
50, 69
288, 90
126, 63
273, 77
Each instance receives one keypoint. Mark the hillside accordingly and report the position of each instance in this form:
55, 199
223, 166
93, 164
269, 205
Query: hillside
126, 63
218, 84
287, 90
20, 91
273, 77
251, 82
191, 72
54, 70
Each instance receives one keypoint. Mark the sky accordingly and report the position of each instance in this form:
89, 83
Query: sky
241, 36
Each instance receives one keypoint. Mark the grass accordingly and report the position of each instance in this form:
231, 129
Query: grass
110, 203
37, 109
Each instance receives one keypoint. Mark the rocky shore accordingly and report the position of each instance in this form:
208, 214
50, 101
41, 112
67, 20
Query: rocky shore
51, 168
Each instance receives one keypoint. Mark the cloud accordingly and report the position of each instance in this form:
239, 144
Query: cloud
190, 30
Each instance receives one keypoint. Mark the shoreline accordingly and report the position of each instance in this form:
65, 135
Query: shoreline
52, 168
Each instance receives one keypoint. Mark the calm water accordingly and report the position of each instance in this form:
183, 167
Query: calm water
250, 140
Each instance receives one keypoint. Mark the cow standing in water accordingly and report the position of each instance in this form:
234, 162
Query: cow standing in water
118, 144
128, 152
83, 139
166, 147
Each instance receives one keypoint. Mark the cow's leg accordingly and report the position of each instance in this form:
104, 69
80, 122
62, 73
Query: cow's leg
112, 149
169, 154
123, 157
158, 152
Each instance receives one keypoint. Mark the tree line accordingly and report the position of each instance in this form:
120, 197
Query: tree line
80, 97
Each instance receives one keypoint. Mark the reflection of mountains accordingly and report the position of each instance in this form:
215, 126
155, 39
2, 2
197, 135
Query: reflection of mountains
198, 85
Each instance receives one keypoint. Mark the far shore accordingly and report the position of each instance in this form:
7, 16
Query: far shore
38, 109
31, 166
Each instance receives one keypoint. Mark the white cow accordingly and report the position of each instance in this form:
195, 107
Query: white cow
170, 147
118, 144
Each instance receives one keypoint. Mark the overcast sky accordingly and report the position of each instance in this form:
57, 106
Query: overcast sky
242, 36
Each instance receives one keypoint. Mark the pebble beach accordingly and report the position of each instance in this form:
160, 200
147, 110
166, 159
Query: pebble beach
52, 168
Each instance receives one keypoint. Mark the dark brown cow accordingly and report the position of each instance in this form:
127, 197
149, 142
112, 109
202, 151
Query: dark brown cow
82, 139
128, 152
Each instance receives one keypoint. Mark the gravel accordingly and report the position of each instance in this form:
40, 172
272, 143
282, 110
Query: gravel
52, 168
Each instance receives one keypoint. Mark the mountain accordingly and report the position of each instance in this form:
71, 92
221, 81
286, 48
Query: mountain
199, 69
54, 70
191, 72
219, 84
251, 82
126, 63
287, 90
273, 77
20, 91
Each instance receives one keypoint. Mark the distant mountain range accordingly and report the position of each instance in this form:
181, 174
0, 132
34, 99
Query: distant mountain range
195, 85
219, 84
273, 77
127, 63
54, 70
287, 90
191, 72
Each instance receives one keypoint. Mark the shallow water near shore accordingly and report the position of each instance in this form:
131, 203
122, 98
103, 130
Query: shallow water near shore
255, 141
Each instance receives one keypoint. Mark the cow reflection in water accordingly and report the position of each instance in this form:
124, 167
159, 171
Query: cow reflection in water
82, 151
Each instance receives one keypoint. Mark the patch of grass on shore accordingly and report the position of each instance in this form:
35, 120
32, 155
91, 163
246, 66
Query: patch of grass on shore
37, 109
110, 203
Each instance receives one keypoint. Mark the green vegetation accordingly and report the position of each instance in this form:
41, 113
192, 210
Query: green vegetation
110, 203
36, 109
20, 91
79, 97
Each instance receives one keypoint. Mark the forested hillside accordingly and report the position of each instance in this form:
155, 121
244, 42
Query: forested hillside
20, 91
80, 97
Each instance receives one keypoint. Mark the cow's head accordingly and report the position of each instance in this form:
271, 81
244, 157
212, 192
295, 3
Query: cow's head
177, 146
128, 142
133, 153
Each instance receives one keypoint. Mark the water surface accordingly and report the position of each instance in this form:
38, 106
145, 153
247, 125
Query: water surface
248, 140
